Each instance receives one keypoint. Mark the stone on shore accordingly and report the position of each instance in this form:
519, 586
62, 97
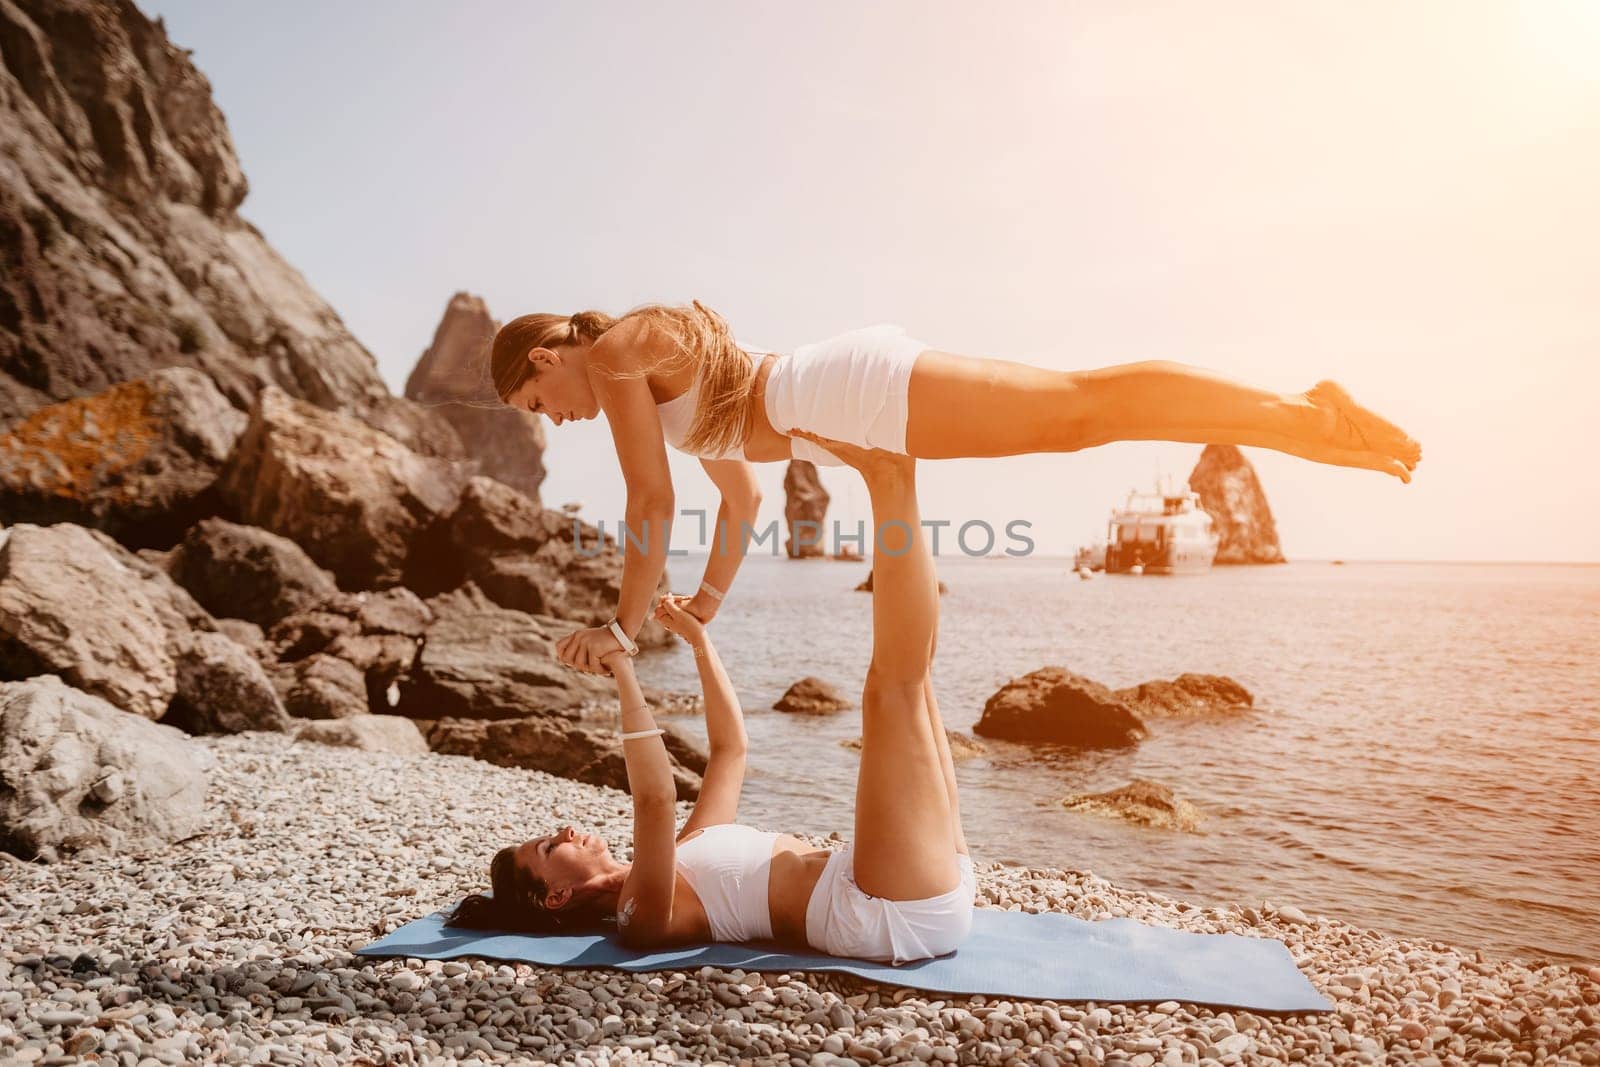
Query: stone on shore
322, 686
79, 773
1141, 801
811, 696
541, 743
245, 572
354, 498
138, 460
222, 689
370, 733
1053, 705
1188, 696
526, 558
481, 661
68, 607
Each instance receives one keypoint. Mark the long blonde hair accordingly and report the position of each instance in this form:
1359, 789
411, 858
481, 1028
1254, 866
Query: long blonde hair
724, 373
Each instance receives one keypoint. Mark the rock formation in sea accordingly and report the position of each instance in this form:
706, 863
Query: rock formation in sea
1141, 801
805, 506
811, 696
1053, 705
212, 512
452, 379
1232, 495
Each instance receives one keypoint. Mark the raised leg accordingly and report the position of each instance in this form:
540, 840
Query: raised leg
905, 847
961, 406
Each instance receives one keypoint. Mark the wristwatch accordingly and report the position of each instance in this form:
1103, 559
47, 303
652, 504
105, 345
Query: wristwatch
622, 637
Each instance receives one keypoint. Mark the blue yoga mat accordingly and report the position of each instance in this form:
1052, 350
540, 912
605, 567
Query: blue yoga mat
1009, 953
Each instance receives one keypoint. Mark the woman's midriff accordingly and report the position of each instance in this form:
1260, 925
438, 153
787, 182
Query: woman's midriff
795, 869
766, 443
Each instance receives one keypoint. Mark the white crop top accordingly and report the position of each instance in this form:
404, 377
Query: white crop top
729, 867
677, 414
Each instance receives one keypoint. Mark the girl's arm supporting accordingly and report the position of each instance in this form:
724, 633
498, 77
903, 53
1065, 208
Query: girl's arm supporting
642, 452
644, 907
723, 780
730, 537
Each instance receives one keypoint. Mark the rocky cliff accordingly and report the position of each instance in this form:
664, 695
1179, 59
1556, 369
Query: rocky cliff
1231, 493
121, 247
452, 379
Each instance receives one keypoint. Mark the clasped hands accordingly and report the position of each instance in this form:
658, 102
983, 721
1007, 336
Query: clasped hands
588, 649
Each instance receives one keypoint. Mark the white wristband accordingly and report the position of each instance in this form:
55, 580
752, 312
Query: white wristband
643, 733
712, 591
622, 638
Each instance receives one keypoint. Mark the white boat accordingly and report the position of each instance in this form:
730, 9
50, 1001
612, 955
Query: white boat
1161, 532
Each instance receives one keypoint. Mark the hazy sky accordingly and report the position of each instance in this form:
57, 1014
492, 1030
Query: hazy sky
1399, 196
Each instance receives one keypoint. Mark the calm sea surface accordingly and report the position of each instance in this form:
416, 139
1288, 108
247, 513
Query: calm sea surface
1423, 758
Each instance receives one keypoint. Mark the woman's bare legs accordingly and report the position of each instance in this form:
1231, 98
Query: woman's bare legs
963, 406
904, 845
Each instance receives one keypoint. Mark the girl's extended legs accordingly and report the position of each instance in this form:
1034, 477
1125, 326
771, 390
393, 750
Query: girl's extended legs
963, 406
905, 847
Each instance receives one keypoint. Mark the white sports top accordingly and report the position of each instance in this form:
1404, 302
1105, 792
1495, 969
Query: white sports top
851, 387
729, 867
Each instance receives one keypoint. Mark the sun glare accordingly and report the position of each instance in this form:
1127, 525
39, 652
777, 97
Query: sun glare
1565, 36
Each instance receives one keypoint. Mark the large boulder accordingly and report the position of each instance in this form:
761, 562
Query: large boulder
1188, 696
527, 558
121, 248
481, 661
370, 733
1052, 705
1232, 495
1142, 802
354, 498
248, 573
179, 612
322, 686
567, 750
452, 379
811, 696
138, 460
78, 773
805, 506
68, 607
223, 689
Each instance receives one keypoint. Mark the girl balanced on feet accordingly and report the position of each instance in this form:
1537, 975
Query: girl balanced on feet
676, 376
901, 890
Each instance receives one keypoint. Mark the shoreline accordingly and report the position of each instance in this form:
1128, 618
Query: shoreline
235, 946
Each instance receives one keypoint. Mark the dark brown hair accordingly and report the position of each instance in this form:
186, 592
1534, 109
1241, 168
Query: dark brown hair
518, 904
724, 373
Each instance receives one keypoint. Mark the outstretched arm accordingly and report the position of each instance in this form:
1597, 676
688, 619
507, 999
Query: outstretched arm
644, 907
730, 537
642, 453
723, 781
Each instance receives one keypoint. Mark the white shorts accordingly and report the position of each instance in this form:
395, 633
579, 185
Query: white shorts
852, 387
841, 920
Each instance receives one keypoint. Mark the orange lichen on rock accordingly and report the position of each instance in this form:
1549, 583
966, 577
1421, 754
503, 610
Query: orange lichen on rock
80, 447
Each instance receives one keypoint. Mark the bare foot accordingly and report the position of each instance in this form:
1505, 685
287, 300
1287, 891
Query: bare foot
1355, 436
875, 464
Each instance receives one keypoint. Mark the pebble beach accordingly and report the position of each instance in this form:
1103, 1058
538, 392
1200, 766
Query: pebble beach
236, 946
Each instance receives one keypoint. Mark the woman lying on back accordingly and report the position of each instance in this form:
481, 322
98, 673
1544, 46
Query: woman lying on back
903, 890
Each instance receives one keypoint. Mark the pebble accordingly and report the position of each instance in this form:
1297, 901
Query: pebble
236, 949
